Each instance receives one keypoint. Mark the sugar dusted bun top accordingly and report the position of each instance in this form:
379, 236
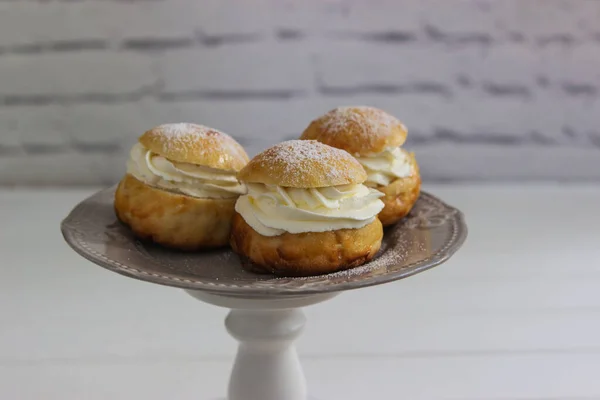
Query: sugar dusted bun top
303, 164
360, 130
195, 144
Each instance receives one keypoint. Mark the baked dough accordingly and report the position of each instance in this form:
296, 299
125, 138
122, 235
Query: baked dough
312, 165
173, 220
359, 130
400, 196
164, 213
195, 144
305, 254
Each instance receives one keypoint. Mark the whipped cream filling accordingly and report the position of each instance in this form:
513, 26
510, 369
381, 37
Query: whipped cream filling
272, 210
190, 179
387, 166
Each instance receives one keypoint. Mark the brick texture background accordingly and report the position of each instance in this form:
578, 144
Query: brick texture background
490, 90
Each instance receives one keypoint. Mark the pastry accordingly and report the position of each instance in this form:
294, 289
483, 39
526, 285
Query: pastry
306, 211
374, 137
181, 186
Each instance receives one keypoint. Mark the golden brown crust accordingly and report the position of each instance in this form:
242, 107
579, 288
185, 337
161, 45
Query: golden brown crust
400, 196
173, 220
195, 144
305, 254
303, 164
358, 130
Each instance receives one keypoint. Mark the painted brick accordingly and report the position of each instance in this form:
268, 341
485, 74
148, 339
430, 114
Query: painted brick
107, 125
78, 73
353, 65
218, 17
550, 116
552, 64
495, 116
41, 22
62, 169
542, 20
469, 21
482, 162
33, 22
580, 119
152, 19
252, 67
578, 66
588, 14
40, 128
497, 90
507, 66
269, 117
313, 18
504, 121
9, 138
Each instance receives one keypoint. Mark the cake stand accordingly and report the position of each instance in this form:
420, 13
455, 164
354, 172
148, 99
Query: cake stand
266, 312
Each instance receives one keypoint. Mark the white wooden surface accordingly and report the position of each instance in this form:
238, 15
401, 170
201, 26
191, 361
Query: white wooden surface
514, 315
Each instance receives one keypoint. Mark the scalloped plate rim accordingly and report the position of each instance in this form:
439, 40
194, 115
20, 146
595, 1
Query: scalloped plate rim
449, 249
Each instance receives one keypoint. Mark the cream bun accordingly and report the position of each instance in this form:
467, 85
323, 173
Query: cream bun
374, 137
306, 212
181, 186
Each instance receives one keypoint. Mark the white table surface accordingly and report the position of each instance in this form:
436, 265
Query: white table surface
514, 315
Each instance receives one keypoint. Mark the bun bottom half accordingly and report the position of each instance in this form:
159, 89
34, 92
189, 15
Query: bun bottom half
400, 196
305, 254
173, 220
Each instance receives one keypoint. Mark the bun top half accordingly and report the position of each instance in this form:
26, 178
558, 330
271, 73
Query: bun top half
195, 144
359, 130
303, 164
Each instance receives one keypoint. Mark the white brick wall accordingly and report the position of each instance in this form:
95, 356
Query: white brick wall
490, 89
79, 73
242, 68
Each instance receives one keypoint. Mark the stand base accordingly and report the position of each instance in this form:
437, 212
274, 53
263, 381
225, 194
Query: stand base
266, 366
308, 398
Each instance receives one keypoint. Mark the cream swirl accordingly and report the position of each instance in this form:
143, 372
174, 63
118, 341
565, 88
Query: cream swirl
384, 167
190, 179
272, 210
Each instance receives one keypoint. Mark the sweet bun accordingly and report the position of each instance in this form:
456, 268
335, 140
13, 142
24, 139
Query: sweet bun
305, 254
181, 186
374, 137
195, 144
359, 130
306, 211
400, 196
303, 164
173, 220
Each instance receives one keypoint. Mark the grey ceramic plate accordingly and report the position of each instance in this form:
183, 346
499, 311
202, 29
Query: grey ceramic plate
427, 237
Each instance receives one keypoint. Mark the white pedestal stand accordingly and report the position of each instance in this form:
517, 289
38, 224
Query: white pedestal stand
266, 366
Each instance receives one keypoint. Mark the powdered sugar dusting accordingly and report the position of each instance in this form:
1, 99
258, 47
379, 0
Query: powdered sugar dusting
183, 132
180, 129
294, 159
182, 136
369, 122
299, 151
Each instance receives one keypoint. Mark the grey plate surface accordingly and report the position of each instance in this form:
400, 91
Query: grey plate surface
426, 238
